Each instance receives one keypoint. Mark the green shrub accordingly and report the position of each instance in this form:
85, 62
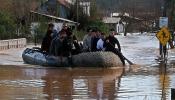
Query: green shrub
40, 31
80, 34
99, 25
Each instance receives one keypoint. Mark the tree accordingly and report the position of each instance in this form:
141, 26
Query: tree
7, 26
40, 30
170, 5
77, 14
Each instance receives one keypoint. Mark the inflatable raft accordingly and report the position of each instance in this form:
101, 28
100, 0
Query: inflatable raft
88, 59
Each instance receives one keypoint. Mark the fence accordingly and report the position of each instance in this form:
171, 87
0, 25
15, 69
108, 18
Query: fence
12, 43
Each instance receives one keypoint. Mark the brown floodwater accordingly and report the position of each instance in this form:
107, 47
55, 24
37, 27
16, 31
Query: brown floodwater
147, 80
131, 83
59, 83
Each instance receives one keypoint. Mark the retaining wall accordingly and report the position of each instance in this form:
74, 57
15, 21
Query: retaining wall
12, 43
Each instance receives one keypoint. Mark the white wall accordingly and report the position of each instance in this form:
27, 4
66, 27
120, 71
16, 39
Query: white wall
119, 28
12, 43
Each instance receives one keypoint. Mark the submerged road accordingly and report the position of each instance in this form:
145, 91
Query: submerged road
140, 49
147, 80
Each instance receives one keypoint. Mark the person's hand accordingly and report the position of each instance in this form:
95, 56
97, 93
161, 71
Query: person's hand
61, 38
107, 41
76, 41
103, 49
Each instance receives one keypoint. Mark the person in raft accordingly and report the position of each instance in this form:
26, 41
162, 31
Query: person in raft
46, 42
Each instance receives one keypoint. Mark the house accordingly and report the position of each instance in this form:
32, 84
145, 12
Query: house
115, 23
55, 11
123, 23
57, 21
86, 5
59, 8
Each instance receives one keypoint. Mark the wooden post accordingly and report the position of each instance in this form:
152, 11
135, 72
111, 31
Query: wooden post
172, 94
8, 46
17, 43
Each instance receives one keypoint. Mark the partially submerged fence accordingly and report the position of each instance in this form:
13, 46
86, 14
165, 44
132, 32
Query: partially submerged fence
12, 43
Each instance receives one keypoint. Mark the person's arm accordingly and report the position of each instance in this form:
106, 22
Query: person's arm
51, 49
85, 44
44, 43
99, 44
118, 44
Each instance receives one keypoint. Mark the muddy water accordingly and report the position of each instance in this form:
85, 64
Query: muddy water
85, 83
148, 80
58, 84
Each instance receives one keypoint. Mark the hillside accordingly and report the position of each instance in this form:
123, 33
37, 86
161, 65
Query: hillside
138, 8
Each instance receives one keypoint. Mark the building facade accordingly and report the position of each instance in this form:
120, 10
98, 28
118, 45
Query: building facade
59, 8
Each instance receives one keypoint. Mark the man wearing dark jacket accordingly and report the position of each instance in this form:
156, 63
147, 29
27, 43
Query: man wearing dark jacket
94, 40
110, 46
47, 39
112, 40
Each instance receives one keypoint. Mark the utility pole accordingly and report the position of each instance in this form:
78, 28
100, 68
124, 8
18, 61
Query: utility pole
77, 9
172, 12
164, 8
172, 24
77, 3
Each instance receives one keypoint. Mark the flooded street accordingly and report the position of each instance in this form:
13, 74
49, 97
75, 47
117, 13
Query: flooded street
147, 80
